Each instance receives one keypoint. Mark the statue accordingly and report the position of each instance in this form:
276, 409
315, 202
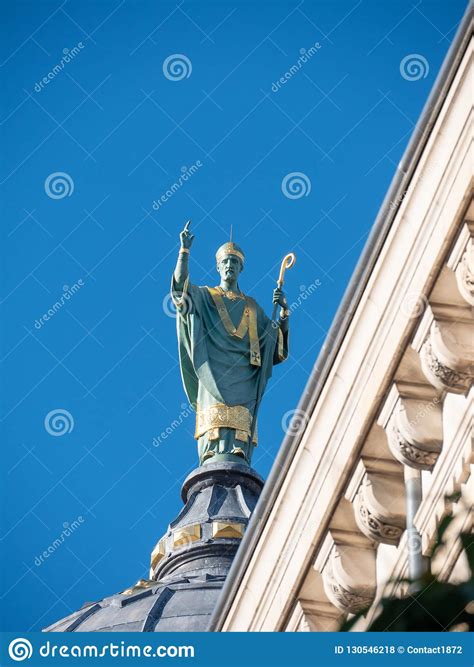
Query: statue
227, 349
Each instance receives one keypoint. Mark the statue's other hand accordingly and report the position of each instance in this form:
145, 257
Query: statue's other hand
279, 297
186, 237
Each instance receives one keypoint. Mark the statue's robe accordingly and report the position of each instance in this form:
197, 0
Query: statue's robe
215, 366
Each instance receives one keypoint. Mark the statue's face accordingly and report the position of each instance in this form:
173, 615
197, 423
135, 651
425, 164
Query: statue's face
229, 267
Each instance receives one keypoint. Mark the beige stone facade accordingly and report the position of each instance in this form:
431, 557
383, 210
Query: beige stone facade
392, 400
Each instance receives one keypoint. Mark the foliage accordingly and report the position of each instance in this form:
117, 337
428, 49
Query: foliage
433, 605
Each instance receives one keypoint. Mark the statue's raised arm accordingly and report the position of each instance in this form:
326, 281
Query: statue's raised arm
181, 271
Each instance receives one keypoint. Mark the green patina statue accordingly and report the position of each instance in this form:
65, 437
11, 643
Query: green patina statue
227, 348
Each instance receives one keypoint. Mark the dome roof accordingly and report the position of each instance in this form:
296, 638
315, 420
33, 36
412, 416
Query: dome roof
189, 563
183, 605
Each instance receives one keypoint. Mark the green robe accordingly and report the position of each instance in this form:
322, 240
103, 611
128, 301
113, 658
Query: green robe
215, 366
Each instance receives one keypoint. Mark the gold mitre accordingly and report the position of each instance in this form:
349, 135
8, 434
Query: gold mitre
230, 248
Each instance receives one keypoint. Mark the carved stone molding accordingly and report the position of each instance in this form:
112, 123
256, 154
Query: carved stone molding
465, 275
347, 563
447, 357
413, 422
345, 579
461, 261
379, 508
377, 491
408, 452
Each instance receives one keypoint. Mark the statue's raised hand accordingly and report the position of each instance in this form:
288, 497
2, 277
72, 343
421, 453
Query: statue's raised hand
186, 237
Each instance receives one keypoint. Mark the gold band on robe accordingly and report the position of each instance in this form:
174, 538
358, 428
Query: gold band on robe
247, 323
210, 420
241, 330
255, 359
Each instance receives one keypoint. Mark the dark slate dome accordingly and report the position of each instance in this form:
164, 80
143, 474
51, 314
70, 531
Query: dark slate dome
189, 563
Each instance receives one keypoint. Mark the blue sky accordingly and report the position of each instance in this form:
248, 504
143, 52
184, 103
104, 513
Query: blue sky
120, 129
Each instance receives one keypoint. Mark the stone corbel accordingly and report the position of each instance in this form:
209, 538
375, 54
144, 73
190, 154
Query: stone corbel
412, 417
465, 275
348, 568
311, 616
461, 262
377, 492
445, 344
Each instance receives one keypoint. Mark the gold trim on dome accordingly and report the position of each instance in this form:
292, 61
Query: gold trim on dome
227, 529
218, 416
187, 535
141, 584
157, 554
